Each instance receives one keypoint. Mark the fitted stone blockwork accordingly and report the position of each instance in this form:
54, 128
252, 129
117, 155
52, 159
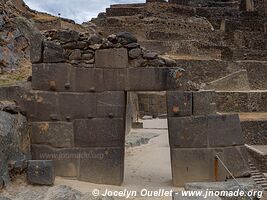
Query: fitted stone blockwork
56, 134
179, 103
204, 103
111, 58
99, 132
102, 165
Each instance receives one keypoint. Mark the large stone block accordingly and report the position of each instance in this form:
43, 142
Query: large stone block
102, 165
99, 132
114, 79
51, 76
41, 172
41, 106
191, 165
53, 52
147, 79
204, 103
111, 58
236, 160
86, 79
111, 104
179, 103
77, 105
36, 50
188, 132
66, 160
224, 130
199, 164
56, 134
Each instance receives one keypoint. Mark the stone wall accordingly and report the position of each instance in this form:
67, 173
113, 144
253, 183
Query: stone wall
77, 107
197, 135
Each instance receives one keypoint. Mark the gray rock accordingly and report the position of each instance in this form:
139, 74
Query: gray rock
14, 141
62, 192
87, 56
126, 38
53, 52
41, 172
75, 55
138, 139
95, 39
66, 35
132, 45
150, 55
135, 53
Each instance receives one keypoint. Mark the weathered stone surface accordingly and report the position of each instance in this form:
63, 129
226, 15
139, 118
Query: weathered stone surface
99, 132
224, 130
126, 38
179, 103
66, 160
66, 35
111, 104
76, 55
135, 53
197, 164
76, 105
36, 48
102, 165
147, 79
114, 79
204, 103
55, 134
41, 106
87, 79
191, 165
188, 132
53, 52
14, 142
51, 76
41, 172
111, 58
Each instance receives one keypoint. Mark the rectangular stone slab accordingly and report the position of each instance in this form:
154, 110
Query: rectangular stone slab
86, 79
111, 58
114, 79
102, 165
204, 103
41, 106
147, 79
224, 130
188, 132
111, 104
66, 160
77, 105
179, 103
56, 134
41, 172
51, 76
99, 132
198, 164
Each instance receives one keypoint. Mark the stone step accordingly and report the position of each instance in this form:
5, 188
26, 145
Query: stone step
258, 156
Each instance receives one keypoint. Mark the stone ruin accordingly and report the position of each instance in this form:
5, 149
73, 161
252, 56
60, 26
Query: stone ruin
76, 104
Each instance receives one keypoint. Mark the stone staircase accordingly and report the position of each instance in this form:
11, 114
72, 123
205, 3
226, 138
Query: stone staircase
258, 176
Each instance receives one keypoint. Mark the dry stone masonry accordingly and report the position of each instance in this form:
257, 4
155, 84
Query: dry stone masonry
77, 110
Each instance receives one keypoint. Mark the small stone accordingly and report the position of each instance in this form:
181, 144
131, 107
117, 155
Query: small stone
66, 35
53, 52
95, 46
156, 63
41, 172
150, 55
132, 46
75, 55
95, 39
112, 38
126, 38
170, 62
135, 53
87, 56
